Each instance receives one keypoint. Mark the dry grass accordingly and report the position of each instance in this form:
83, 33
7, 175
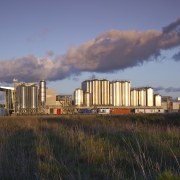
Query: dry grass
90, 147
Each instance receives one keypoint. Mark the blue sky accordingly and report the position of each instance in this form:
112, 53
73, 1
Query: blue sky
34, 27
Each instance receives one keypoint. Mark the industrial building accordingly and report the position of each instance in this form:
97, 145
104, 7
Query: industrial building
115, 93
96, 96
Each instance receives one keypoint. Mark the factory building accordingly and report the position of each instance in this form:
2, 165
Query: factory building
118, 93
26, 98
64, 100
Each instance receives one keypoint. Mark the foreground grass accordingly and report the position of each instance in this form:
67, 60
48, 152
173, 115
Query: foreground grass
90, 147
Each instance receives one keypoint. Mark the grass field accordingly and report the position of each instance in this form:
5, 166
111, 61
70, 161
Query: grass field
90, 147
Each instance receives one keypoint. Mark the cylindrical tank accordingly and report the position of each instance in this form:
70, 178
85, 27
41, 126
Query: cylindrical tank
87, 86
23, 97
157, 100
149, 97
87, 99
78, 97
134, 97
116, 93
42, 92
111, 93
125, 93
105, 92
34, 97
96, 92
142, 97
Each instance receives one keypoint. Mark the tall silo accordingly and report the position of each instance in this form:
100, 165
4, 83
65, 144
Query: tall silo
87, 99
149, 97
87, 86
111, 93
78, 97
157, 100
125, 93
96, 92
23, 98
104, 92
33, 98
142, 97
134, 97
42, 92
116, 93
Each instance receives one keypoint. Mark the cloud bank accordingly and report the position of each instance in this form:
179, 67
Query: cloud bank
168, 89
110, 51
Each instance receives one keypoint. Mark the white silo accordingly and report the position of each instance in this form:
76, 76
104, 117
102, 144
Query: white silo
78, 97
87, 99
157, 100
87, 86
96, 92
104, 92
125, 93
142, 97
116, 93
134, 97
149, 97
111, 93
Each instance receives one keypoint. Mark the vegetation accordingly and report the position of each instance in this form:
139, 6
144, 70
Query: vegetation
90, 147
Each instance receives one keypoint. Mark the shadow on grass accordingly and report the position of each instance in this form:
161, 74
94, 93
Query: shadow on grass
18, 156
147, 156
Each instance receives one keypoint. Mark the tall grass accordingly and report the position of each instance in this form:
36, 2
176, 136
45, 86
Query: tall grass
90, 147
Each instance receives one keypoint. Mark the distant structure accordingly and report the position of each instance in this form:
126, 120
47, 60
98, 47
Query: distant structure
115, 93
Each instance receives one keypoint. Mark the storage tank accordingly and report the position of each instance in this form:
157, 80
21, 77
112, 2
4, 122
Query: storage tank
116, 93
23, 97
33, 97
78, 97
42, 92
105, 92
96, 92
87, 99
149, 96
87, 86
111, 93
134, 97
157, 100
125, 93
142, 97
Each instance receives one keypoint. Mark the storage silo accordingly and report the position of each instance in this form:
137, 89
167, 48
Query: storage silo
149, 96
125, 93
87, 99
116, 93
42, 92
104, 92
111, 93
157, 100
134, 97
142, 97
87, 86
21, 98
33, 98
96, 92
78, 97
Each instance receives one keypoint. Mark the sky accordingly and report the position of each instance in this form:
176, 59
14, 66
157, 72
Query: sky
66, 42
